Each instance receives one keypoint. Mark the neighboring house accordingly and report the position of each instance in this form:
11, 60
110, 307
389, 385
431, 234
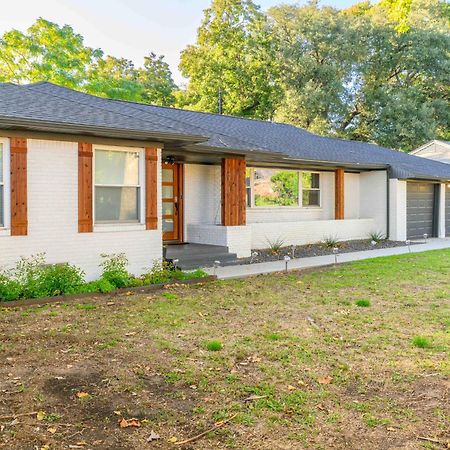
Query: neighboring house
82, 175
437, 150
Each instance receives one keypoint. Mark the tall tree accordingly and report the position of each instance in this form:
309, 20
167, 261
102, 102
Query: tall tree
45, 52
353, 74
156, 80
233, 55
49, 52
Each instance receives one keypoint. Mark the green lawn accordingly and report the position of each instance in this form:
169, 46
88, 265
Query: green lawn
352, 357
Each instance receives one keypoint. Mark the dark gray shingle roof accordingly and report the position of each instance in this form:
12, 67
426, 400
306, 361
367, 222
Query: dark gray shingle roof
48, 102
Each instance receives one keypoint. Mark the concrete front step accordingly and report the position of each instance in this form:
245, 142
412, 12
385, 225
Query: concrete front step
193, 256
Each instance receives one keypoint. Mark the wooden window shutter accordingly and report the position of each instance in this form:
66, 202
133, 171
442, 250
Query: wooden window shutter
19, 201
339, 194
151, 188
85, 196
234, 201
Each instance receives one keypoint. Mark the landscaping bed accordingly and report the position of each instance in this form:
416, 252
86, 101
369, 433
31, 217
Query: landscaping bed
318, 249
347, 357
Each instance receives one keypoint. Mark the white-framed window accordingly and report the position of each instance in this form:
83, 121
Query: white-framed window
118, 185
4, 184
282, 188
310, 189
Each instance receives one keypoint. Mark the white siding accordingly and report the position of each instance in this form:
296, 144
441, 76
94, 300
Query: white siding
373, 198
53, 218
397, 213
351, 195
202, 193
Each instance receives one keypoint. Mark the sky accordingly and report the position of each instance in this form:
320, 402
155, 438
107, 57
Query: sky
126, 28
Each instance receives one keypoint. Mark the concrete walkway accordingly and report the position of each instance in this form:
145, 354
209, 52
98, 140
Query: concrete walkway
246, 270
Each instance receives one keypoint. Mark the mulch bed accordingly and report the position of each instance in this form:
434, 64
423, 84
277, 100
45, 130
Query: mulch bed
319, 249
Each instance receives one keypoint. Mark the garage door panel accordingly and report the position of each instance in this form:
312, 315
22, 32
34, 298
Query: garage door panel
420, 207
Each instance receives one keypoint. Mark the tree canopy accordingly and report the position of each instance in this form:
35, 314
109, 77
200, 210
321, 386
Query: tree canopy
373, 72
49, 52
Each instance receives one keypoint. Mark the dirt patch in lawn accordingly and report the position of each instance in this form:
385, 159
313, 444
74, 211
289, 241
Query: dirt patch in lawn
300, 364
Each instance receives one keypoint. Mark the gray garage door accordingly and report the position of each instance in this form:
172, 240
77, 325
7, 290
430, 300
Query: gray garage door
447, 211
420, 204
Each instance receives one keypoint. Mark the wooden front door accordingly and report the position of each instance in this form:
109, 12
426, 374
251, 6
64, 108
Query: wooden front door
172, 201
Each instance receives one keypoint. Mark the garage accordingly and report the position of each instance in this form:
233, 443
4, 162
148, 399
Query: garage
447, 210
420, 209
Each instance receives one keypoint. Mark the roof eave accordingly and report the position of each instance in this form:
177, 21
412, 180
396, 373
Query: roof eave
98, 131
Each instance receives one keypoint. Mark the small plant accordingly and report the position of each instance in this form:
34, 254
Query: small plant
273, 337
421, 342
331, 242
161, 272
170, 296
377, 236
363, 303
276, 245
213, 346
114, 269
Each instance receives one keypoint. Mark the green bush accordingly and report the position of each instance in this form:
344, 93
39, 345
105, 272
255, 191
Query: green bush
59, 279
9, 289
33, 278
114, 270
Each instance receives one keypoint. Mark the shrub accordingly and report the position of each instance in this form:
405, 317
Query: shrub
114, 269
331, 242
180, 275
377, 236
161, 272
275, 245
421, 342
29, 274
59, 279
213, 346
362, 303
10, 289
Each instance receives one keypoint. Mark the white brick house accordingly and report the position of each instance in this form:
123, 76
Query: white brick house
81, 176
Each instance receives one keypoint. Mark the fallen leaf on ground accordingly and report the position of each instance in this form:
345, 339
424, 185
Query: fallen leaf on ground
324, 380
291, 388
83, 395
125, 423
40, 415
153, 437
172, 440
51, 430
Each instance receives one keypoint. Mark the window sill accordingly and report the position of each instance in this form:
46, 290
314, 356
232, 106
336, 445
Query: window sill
5, 232
284, 208
118, 227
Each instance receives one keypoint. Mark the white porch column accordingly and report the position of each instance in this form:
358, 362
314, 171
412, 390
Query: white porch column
442, 212
397, 210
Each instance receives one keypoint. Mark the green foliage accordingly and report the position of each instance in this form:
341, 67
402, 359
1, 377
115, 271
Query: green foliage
363, 303
377, 236
234, 54
331, 242
276, 245
33, 278
421, 342
114, 270
49, 52
213, 346
285, 184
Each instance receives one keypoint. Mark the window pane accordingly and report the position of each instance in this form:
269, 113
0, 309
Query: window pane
275, 187
167, 209
167, 224
1, 207
311, 198
117, 204
120, 168
167, 192
310, 180
167, 175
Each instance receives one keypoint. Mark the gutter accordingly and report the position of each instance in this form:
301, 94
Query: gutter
102, 131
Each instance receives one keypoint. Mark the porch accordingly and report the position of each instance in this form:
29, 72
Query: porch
212, 205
